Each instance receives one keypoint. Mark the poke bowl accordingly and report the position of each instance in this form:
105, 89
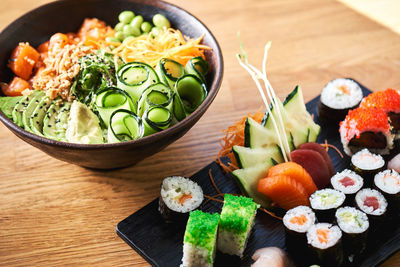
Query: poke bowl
66, 16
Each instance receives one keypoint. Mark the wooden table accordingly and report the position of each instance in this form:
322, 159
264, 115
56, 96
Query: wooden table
54, 213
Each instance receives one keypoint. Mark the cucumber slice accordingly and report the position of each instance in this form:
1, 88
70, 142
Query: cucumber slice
135, 77
169, 71
248, 182
198, 67
249, 157
256, 136
299, 125
156, 94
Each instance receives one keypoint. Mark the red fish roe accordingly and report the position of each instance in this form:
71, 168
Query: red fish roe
371, 202
388, 99
364, 119
346, 181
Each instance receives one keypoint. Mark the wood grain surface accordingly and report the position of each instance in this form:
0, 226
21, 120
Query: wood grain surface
53, 213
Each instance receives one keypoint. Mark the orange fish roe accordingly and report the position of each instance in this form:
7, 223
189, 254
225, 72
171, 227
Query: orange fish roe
388, 99
364, 119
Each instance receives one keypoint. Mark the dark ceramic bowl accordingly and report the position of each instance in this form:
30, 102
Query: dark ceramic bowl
39, 24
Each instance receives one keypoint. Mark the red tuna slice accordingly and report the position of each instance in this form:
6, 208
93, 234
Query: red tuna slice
321, 150
314, 164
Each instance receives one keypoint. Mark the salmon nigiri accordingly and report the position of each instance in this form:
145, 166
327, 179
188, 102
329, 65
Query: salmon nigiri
296, 172
283, 190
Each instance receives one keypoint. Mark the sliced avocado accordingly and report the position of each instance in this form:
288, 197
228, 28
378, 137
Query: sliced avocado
36, 119
49, 121
8, 103
28, 111
62, 121
21, 106
83, 125
248, 182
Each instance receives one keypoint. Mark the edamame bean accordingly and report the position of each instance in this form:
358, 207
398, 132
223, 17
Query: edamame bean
126, 16
120, 36
129, 30
146, 27
137, 21
161, 21
112, 40
155, 31
119, 27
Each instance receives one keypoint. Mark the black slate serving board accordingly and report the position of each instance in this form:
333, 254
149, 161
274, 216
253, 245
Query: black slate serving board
160, 243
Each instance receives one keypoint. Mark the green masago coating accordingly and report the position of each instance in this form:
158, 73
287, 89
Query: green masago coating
201, 229
236, 213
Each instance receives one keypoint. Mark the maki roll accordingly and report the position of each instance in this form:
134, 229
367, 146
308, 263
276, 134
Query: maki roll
324, 240
199, 241
354, 225
373, 203
367, 165
236, 222
347, 182
389, 101
366, 128
179, 196
325, 202
297, 221
337, 98
388, 182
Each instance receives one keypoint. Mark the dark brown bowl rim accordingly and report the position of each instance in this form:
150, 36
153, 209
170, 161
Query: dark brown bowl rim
212, 92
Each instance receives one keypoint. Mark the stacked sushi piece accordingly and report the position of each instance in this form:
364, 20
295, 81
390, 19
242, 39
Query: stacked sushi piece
227, 232
375, 124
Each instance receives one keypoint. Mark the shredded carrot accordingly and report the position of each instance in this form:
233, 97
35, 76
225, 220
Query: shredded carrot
213, 182
327, 146
169, 43
270, 213
234, 135
322, 235
215, 199
300, 220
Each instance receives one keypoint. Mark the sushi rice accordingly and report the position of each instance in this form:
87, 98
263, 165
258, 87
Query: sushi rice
347, 182
365, 160
299, 219
341, 94
388, 181
181, 194
330, 237
371, 201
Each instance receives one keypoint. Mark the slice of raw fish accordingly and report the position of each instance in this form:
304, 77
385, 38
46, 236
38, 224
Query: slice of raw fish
271, 257
318, 148
314, 164
394, 163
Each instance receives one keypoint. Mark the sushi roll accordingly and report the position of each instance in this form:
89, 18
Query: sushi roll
236, 222
325, 202
297, 221
325, 242
337, 98
366, 128
388, 182
179, 196
373, 203
347, 182
199, 241
367, 164
388, 100
354, 225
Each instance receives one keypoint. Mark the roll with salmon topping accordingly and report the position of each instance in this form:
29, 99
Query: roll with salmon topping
366, 128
